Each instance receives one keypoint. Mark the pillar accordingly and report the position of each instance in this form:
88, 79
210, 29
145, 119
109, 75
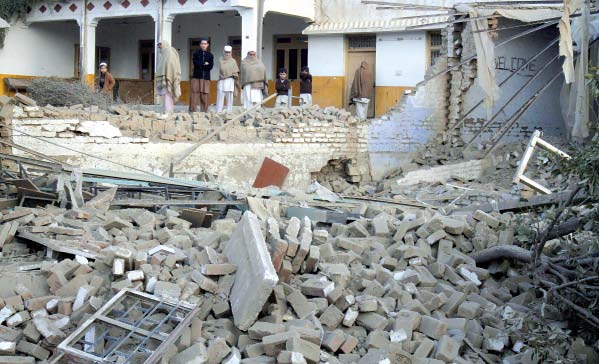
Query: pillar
87, 39
249, 31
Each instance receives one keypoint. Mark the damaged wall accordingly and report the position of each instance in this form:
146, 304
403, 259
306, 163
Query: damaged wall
545, 113
419, 117
304, 140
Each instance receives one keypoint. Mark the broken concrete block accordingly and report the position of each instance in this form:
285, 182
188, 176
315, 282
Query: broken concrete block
332, 317
302, 307
33, 350
273, 344
488, 219
371, 321
256, 277
195, 354
7, 347
432, 327
425, 348
349, 344
317, 287
279, 251
167, 290
217, 269
333, 340
18, 318
45, 327
217, 350
350, 317
447, 349
17, 360
260, 329
469, 310
310, 351
204, 282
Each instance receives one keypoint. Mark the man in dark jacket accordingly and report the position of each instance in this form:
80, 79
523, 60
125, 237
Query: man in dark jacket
282, 87
203, 61
305, 87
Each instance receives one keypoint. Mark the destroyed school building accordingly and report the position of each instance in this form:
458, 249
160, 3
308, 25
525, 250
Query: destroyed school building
435, 232
402, 46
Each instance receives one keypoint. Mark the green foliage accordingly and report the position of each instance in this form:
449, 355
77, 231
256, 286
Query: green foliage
55, 92
11, 10
584, 166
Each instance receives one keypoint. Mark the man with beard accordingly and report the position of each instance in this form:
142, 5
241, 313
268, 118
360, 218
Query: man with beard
253, 80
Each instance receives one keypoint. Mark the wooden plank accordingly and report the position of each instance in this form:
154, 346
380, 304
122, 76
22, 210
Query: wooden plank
36, 193
271, 173
534, 185
56, 245
152, 203
197, 217
518, 205
23, 183
8, 203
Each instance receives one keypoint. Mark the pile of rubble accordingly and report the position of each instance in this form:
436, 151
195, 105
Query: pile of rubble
398, 287
309, 124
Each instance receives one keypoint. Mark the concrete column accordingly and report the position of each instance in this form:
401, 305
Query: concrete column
87, 34
166, 30
249, 30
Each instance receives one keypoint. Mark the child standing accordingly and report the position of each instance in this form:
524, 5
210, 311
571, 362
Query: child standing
305, 87
282, 86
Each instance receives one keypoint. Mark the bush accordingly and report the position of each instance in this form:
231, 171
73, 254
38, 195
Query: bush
66, 93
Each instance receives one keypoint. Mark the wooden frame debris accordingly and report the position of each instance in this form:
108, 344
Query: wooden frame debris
130, 326
535, 140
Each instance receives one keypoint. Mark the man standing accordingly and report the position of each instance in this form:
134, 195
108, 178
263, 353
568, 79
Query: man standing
305, 87
203, 61
228, 75
361, 90
168, 76
253, 80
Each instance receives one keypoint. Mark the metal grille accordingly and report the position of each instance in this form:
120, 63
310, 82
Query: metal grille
133, 327
435, 44
362, 41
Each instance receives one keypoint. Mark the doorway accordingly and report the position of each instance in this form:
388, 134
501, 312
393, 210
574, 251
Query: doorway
146, 60
360, 48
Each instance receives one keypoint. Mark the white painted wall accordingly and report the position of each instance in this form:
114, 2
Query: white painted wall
122, 36
400, 58
44, 49
326, 55
545, 113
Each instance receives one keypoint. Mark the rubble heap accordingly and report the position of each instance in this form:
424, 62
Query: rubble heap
395, 288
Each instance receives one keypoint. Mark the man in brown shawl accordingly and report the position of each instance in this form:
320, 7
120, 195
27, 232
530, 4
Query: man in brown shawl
362, 90
168, 76
253, 80
228, 77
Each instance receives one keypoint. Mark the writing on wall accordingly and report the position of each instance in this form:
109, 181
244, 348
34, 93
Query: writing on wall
512, 63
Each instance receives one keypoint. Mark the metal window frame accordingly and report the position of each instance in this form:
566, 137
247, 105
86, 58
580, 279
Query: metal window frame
67, 346
535, 140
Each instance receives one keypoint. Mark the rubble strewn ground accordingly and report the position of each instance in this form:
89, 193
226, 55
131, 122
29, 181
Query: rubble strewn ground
400, 278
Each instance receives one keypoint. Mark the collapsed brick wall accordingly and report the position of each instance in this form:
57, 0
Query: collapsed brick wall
415, 121
304, 140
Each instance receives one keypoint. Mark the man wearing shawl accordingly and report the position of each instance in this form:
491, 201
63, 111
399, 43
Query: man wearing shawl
168, 76
253, 80
203, 61
228, 75
361, 90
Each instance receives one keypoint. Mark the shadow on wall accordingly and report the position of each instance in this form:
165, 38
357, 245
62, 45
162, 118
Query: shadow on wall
418, 117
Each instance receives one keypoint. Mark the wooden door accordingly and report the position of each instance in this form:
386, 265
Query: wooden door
354, 60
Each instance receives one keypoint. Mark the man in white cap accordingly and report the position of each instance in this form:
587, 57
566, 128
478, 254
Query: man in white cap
228, 76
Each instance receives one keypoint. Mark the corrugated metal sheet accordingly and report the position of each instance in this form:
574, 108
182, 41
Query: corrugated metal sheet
373, 25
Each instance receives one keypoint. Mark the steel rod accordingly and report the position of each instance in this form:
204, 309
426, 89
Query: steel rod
508, 102
521, 111
461, 121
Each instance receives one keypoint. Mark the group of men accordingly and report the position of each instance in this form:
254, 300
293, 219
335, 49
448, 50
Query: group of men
250, 79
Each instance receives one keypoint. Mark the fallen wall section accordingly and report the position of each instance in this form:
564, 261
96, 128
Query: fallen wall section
256, 277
